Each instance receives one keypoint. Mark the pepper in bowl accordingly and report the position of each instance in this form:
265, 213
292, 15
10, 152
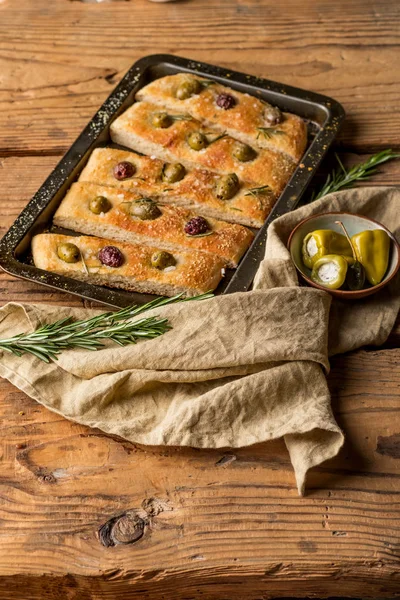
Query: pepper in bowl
350, 256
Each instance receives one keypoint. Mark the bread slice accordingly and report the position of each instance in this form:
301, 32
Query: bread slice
244, 121
196, 191
167, 231
134, 129
195, 272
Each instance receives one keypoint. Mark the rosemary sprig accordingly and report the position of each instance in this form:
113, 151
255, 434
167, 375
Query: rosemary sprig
85, 269
180, 117
340, 179
269, 132
199, 235
49, 340
219, 137
264, 189
138, 199
257, 192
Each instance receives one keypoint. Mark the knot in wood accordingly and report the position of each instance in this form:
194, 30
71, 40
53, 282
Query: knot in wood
128, 528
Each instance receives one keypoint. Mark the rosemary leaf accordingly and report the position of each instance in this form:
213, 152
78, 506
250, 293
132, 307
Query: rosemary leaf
264, 189
49, 340
340, 179
269, 132
180, 117
199, 235
219, 137
257, 192
85, 269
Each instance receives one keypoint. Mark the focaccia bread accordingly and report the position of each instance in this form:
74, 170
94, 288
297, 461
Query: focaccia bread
242, 116
196, 191
116, 214
194, 272
135, 129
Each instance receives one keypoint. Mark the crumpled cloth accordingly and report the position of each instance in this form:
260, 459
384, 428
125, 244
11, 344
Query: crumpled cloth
234, 370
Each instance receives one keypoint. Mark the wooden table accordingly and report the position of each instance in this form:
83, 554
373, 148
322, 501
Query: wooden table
202, 525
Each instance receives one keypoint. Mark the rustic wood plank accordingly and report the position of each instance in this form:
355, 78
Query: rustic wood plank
236, 524
216, 524
59, 60
202, 524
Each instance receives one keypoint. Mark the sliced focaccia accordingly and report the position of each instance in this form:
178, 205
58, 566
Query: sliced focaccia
196, 190
184, 139
128, 266
242, 116
116, 214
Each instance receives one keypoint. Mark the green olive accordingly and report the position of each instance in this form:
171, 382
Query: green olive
161, 260
69, 253
173, 172
243, 152
227, 186
197, 140
99, 204
145, 209
161, 120
188, 88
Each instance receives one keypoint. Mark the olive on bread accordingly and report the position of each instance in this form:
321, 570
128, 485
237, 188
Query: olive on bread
129, 266
132, 218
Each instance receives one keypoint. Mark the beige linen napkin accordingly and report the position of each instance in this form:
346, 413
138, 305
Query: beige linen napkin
234, 370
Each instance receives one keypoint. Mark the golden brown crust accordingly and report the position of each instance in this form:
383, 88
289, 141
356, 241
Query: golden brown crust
195, 272
196, 191
243, 121
226, 240
134, 129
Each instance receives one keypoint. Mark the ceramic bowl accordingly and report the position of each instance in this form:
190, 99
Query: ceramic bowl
354, 224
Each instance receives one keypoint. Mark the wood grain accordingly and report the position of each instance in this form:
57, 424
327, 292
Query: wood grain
59, 60
231, 521
89, 516
211, 526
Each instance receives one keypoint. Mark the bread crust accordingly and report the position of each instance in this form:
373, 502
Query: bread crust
200, 260
196, 191
225, 240
195, 272
243, 121
134, 129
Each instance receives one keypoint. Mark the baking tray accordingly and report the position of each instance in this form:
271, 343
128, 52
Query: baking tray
322, 114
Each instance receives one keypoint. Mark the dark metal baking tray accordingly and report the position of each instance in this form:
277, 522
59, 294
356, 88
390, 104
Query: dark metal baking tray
322, 114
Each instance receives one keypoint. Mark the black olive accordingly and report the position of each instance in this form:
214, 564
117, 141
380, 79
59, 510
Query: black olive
355, 277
